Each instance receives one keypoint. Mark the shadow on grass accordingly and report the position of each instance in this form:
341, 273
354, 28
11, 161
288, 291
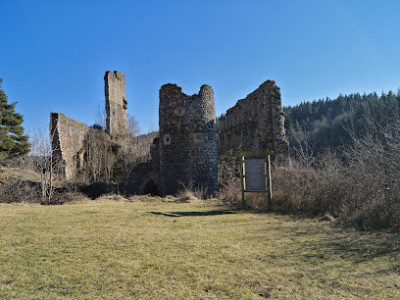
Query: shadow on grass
357, 250
193, 213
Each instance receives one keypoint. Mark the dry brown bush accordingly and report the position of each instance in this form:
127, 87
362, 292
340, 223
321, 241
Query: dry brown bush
306, 190
230, 189
359, 186
229, 179
15, 190
362, 188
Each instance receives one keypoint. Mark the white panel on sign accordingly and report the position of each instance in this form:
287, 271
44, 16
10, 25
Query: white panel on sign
255, 174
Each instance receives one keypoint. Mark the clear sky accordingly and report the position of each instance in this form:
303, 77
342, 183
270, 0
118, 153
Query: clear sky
53, 54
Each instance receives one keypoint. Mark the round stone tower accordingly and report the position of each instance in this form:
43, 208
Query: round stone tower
188, 140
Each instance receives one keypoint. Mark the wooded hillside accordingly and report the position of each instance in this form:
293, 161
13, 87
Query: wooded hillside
330, 123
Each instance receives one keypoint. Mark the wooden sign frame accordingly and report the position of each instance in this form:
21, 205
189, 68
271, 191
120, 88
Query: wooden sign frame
257, 154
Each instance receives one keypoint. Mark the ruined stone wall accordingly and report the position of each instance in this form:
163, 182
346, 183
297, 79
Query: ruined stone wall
140, 145
256, 123
188, 141
116, 104
143, 175
67, 139
155, 161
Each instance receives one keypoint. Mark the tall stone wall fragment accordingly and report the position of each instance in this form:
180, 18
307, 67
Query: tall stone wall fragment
256, 123
188, 140
67, 139
116, 104
155, 161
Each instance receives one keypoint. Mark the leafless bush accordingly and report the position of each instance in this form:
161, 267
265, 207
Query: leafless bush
98, 189
229, 179
374, 194
15, 190
310, 190
361, 186
46, 165
303, 153
100, 156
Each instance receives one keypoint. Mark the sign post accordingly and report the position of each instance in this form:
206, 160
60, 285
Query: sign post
255, 173
242, 180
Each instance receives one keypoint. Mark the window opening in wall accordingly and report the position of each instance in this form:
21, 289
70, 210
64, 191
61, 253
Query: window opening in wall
167, 139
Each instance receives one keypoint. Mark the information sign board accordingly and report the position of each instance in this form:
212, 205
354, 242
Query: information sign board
255, 179
255, 173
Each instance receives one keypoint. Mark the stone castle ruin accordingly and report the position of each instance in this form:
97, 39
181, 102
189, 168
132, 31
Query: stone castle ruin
116, 104
68, 135
188, 140
67, 138
185, 151
256, 123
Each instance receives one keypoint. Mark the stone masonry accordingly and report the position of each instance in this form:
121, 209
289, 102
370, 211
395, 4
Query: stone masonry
116, 104
185, 151
256, 123
67, 137
188, 140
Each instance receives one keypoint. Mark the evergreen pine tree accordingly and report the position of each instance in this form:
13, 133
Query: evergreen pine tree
13, 142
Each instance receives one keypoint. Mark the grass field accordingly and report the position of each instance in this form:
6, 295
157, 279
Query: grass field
197, 250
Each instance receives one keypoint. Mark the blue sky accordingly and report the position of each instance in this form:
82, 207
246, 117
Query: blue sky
53, 54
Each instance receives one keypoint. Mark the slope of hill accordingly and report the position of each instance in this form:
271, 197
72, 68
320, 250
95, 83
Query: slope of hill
331, 123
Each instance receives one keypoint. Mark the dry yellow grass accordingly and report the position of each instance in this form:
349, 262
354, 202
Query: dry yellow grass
15, 173
160, 249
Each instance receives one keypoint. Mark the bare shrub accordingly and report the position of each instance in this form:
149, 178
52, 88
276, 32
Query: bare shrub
100, 156
374, 164
294, 189
231, 194
309, 190
257, 201
361, 186
229, 179
98, 189
15, 190
46, 164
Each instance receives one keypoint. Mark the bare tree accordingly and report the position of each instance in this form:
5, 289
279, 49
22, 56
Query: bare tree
100, 157
304, 154
132, 126
45, 163
101, 116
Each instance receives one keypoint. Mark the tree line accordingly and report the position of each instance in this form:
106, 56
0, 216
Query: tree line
333, 123
321, 124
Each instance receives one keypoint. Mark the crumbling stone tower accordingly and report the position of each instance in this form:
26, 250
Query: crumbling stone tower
116, 104
188, 140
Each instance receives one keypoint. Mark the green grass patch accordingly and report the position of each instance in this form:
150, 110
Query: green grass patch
199, 250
